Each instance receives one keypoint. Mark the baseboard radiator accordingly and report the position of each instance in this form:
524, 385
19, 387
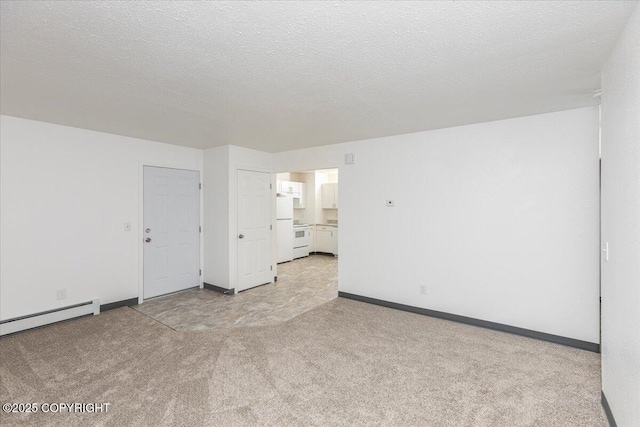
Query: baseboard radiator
22, 323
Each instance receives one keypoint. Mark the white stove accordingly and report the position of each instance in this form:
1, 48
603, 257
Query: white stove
300, 241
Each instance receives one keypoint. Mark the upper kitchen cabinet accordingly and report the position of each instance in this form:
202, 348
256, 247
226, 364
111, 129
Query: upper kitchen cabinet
286, 187
297, 190
299, 195
330, 196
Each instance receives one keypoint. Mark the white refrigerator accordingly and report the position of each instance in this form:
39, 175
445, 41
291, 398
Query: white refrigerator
284, 227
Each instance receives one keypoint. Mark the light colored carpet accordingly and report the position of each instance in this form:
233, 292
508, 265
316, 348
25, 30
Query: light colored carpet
341, 364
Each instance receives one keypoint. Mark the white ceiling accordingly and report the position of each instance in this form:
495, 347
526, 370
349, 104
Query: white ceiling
285, 75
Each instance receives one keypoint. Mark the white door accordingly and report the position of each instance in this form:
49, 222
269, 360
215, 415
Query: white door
254, 229
171, 230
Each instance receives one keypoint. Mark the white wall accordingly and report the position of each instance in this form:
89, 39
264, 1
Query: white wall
66, 194
221, 221
310, 211
245, 158
285, 176
502, 213
215, 228
621, 226
498, 220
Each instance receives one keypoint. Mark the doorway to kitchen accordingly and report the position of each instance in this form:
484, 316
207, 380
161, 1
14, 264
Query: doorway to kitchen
307, 229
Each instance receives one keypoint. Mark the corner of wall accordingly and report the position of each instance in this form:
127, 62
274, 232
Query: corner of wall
621, 226
215, 232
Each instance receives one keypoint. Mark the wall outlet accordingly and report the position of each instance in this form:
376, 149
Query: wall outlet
127, 226
61, 294
423, 289
390, 203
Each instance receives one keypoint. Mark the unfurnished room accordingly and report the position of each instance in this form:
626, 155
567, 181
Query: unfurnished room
320, 213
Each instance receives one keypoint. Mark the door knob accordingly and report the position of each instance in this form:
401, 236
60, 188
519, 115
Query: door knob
148, 239
241, 236
148, 230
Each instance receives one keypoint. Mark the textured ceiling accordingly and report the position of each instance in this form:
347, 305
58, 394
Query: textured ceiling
284, 75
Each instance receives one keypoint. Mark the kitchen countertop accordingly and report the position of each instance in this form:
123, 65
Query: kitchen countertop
311, 225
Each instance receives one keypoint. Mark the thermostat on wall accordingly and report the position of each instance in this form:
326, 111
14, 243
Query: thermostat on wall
349, 159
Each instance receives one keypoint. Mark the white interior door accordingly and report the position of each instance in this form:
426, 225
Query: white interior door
171, 230
254, 229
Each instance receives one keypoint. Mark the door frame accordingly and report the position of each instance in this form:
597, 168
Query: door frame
235, 266
166, 165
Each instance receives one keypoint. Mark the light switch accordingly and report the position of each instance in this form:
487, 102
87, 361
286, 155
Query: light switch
390, 203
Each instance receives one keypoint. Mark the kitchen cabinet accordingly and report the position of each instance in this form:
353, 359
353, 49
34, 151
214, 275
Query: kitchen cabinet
285, 187
297, 190
299, 195
324, 239
335, 241
312, 238
329, 196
